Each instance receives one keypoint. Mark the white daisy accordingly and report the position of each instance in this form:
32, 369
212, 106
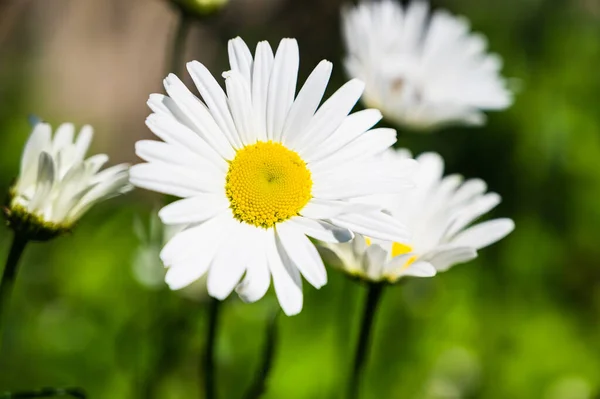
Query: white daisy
260, 170
422, 70
439, 213
57, 185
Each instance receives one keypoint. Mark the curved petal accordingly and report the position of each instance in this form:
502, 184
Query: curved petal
306, 102
282, 87
286, 278
196, 209
302, 253
484, 234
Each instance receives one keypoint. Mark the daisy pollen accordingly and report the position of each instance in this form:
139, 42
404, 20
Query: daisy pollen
267, 184
260, 169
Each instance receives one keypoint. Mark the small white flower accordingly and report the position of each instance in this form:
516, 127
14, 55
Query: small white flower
422, 70
56, 185
260, 170
439, 213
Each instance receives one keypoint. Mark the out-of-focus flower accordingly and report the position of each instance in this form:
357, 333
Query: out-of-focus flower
200, 8
422, 71
439, 213
56, 185
261, 170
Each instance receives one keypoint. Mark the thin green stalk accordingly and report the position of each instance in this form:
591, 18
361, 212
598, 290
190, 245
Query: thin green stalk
362, 348
8, 276
46, 393
259, 386
177, 54
209, 354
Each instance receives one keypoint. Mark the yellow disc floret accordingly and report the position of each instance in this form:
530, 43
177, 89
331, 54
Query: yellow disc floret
267, 183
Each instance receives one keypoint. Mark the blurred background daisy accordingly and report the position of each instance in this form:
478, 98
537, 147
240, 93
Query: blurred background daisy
524, 313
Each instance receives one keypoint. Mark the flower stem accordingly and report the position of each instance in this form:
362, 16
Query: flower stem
177, 54
209, 354
259, 385
373, 297
8, 276
46, 393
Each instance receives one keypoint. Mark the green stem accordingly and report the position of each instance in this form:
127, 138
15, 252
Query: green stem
373, 297
179, 41
209, 354
8, 276
46, 393
259, 386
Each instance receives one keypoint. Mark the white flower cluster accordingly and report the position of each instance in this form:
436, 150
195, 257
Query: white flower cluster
265, 171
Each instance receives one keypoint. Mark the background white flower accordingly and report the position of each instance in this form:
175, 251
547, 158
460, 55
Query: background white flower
439, 212
422, 70
57, 185
260, 169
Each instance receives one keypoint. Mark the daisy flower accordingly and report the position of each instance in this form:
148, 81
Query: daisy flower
439, 212
57, 185
421, 69
260, 169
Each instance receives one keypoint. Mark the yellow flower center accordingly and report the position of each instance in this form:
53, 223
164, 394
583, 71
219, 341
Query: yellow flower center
267, 183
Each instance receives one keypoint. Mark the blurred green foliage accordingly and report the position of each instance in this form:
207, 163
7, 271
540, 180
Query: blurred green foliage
521, 321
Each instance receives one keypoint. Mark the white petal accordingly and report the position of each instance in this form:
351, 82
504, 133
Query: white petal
173, 180
261, 75
360, 179
193, 210
484, 234
199, 118
420, 269
443, 259
371, 143
240, 103
258, 278
373, 261
431, 168
282, 87
185, 273
63, 137
84, 139
160, 152
116, 182
351, 128
306, 102
376, 225
39, 140
230, 262
470, 212
240, 58
286, 278
322, 230
329, 117
45, 180
318, 208
302, 253
199, 242
95, 163
178, 134
215, 99
469, 190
